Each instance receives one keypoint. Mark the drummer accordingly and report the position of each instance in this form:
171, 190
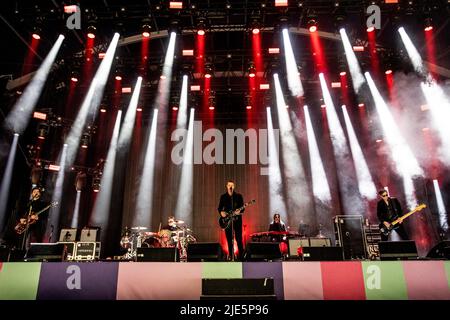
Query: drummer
171, 224
278, 226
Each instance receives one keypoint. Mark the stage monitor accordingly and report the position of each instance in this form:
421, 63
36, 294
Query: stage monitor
68, 235
398, 250
263, 251
157, 255
207, 251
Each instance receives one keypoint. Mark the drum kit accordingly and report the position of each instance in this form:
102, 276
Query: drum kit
179, 236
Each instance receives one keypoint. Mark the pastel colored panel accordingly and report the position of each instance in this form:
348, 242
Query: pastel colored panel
426, 280
302, 281
342, 281
447, 271
159, 281
19, 280
384, 280
258, 270
222, 270
72, 281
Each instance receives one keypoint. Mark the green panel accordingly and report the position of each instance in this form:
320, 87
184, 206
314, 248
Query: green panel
19, 280
222, 270
384, 280
447, 271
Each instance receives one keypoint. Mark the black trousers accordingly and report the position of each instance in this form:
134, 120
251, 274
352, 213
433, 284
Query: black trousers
237, 228
400, 231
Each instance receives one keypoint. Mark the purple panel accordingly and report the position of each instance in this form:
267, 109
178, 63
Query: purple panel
72, 281
256, 270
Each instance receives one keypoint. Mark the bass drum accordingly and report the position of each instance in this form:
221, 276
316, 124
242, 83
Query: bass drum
151, 242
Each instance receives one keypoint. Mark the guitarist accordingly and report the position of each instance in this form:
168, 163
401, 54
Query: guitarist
389, 209
37, 225
229, 202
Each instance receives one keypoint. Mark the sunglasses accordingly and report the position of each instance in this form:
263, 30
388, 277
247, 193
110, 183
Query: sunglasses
384, 195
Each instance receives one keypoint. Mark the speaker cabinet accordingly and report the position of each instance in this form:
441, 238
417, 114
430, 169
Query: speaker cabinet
47, 252
398, 250
350, 235
294, 244
68, 235
207, 251
440, 251
90, 235
4, 254
238, 289
263, 251
322, 254
157, 255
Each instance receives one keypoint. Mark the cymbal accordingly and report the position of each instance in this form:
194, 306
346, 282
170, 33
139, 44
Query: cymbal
179, 221
139, 228
150, 234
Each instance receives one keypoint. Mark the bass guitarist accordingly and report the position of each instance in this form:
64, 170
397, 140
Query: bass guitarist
389, 209
229, 202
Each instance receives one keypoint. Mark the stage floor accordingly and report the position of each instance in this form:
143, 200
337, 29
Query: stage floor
293, 280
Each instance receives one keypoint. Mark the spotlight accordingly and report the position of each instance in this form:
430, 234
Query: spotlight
91, 31
251, 71
146, 30
80, 181
174, 108
201, 27
118, 75
96, 183
389, 71
42, 131
371, 29
74, 76
36, 35
208, 71
342, 73
85, 139
312, 25
428, 25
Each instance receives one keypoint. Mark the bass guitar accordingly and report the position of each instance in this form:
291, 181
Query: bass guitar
396, 223
225, 222
22, 226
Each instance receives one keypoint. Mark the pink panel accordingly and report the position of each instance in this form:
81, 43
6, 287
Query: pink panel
302, 281
426, 280
159, 281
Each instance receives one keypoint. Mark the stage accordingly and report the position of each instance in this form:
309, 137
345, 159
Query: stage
293, 280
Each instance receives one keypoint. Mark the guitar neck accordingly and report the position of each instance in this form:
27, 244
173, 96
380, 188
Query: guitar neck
405, 216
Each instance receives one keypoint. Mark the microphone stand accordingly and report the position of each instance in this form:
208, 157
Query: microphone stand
232, 227
25, 234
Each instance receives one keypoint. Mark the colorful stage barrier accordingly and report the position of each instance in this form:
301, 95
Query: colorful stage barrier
362, 280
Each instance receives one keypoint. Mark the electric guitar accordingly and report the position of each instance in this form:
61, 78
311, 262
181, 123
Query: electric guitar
225, 222
396, 223
22, 226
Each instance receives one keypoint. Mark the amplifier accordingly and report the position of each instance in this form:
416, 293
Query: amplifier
69, 250
85, 251
294, 244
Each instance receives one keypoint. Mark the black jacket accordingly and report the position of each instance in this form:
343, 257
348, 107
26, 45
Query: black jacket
228, 203
391, 212
277, 226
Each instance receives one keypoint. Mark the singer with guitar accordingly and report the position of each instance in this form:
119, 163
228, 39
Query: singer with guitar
32, 225
232, 202
388, 210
